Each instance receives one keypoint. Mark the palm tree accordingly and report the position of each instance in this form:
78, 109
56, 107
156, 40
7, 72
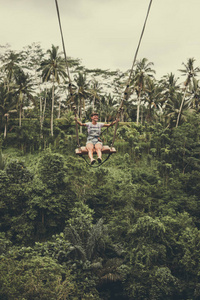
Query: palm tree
82, 93
190, 72
53, 69
95, 91
10, 66
169, 86
172, 109
86, 243
42, 96
194, 91
170, 90
108, 107
7, 104
152, 97
142, 73
21, 88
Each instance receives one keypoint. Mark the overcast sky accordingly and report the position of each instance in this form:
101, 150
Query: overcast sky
105, 33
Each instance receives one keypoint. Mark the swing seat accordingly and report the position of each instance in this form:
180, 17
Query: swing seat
105, 150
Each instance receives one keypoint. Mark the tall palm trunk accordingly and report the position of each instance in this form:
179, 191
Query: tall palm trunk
20, 115
122, 115
20, 108
93, 103
42, 110
5, 127
5, 130
59, 108
138, 107
180, 110
80, 114
52, 108
142, 115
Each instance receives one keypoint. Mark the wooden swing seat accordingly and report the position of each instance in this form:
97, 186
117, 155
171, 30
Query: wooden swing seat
105, 150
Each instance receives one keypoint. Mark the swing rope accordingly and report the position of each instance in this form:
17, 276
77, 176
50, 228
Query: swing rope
68, 73
126, 92
141, 36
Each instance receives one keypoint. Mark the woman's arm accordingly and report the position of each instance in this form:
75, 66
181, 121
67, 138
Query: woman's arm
79, 123
111, 124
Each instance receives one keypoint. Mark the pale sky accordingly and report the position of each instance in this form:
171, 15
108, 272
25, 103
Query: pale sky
105, 33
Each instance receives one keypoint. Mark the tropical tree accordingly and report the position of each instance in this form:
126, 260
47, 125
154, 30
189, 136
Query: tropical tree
169, 86
170, 89
95, 91
7, 103
152, 97
108, 104
10, 65
142, 73
34, 277
81, 94
194, 91
172, 109
32, 56
191, 72
22, 87
53, 69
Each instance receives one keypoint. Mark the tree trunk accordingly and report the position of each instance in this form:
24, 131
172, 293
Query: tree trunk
59, 105
42, 112
52, 109
20, 108
93, 103
142, 112
5, 131
80, 112
138, 109
122, 115
20, 115
180, 110
41, 119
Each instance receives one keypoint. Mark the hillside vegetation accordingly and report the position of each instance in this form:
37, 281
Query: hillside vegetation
128, 229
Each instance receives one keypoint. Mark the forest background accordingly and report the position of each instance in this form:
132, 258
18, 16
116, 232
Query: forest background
126, 230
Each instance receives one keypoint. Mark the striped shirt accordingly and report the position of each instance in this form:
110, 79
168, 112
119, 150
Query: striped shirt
94, 132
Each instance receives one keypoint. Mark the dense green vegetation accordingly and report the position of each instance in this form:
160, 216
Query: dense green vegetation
126, 230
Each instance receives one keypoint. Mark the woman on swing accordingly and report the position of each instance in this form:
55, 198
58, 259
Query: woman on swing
93, 139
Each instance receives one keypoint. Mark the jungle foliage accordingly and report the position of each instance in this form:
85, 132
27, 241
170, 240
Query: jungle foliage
126, 230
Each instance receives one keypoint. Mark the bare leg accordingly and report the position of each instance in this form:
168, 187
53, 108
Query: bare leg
98, 148
90, 148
